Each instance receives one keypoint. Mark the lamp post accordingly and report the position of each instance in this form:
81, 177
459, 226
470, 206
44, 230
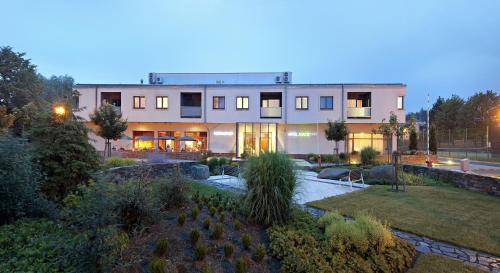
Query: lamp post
60, 111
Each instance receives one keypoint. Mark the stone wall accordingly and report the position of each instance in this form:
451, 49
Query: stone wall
149, 170
472, 182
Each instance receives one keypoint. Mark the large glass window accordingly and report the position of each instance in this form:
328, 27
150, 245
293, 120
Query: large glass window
357, 141
219, 102
302, 103
326, 102
161, 102
143, 140
242, 103
256, 138
139, 102
401, 102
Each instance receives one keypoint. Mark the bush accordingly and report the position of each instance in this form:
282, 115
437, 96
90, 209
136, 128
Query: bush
241, 265
205, 268
329, 158
368, 155
181, 218
233, 212
206, 223
417, 179
200, 205
195, 235
343, 156
29, 246
246, 240
221, 217
228, 250
260, 252
20, 182
172, 192
270, 184
237, 224
161, 247
212, 210
157, 265
196, 197
194, 213
64, 153
217, 232
200, 251
361, 245
112, 162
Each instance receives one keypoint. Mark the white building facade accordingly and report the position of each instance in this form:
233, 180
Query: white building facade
261, 112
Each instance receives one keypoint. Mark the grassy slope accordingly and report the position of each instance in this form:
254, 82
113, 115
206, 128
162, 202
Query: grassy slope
205, 189
441, 212
428, 263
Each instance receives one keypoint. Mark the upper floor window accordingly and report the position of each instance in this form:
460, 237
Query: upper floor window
401, 102
302, 103
161, 102
219, 102
242, 103
326, 102
139, 102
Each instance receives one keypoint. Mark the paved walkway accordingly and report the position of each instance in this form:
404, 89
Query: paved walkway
423, 245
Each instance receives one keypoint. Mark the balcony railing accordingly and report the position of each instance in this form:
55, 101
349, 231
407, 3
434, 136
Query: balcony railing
270, 112
359, 112
190, 111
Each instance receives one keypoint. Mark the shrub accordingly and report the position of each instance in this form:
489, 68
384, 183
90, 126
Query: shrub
260, 252
63, 152
329, 159
417, 179
237, 224
311, 157
330, 217
173, 191
246, 240
241, 265
368, 155
206, 223
161, 247
200, 251
233, 212
112, 162
205, 268
195, 235
157, 265
181, 218
228, 250
28, 246
343, 156
20, 182
195, 196
212, 210
221, 217
217, 232
134, 203
220, 208
270, 184
194, 213
200, 205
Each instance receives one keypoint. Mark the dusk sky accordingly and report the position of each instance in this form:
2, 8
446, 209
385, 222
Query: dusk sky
441, 47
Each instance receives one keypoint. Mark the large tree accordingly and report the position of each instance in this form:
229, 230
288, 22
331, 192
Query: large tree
447, 118
63, 151
58, 89
110, 123
336, 131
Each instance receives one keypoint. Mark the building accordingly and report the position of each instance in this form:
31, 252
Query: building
235, 113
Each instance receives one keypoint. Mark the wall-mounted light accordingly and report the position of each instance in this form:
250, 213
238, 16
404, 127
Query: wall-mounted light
223, 133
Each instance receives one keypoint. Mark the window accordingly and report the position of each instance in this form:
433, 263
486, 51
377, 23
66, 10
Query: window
161, 102
242, 103
326, 102
302, 103
401, 102
219, 102
139, 102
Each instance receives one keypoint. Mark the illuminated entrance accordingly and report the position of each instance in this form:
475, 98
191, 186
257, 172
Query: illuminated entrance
256, 138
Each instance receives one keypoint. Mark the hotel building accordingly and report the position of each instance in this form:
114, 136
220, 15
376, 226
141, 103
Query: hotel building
235, 113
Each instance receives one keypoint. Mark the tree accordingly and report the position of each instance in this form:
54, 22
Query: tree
63, 152
432, 139
110, 122
447, 118
336, 131
413, 133
58, 89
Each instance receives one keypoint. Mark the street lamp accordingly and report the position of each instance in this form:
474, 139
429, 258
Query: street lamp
60, 110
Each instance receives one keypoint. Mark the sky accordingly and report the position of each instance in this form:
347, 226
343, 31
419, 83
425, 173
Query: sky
436, 47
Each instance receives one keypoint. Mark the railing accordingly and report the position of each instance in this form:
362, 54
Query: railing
270, 112
190, 111
359, 112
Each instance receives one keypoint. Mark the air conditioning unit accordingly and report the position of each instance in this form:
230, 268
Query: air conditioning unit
285, 79
278, 79
159, 80
152, 78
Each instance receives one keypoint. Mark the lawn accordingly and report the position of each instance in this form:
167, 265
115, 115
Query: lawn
429, 263
443, 213
207, 190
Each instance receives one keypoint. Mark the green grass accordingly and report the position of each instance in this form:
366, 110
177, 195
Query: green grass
479, 156
443, 213
429, 263
205, 189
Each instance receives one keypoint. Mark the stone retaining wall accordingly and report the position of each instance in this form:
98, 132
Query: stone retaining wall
150, 170
473, 182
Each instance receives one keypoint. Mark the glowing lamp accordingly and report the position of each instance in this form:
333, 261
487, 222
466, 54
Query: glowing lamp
59, 110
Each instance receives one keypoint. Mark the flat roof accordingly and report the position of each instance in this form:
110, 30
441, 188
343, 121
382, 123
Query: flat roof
232, 85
